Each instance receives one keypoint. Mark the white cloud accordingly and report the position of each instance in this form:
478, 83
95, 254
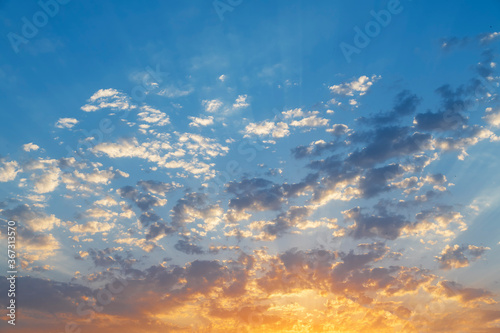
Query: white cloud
294, 113
66, 122
107, 202
91, 227
103, 93
99, 213
490, 37
153, 116
36, 220
492, 117
211, 105
198, 122
48, 181
30, 146
358, 86
108, 98
241, 102
312, 121
338, 129
264, 128
169, 153
101, 176
8, 171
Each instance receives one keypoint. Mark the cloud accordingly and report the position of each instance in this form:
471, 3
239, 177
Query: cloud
106, 202
492, 117
157, 187
338, 129
357, 87
255, 194
169, 154
467, 137
376, 180
267, 128
91, 227
201, 122
405, 104
487, 38
108, 98
212, 105
312, 121
143, 201
369, 226
241, 102
459, 256
104, 93
35, 219
466, 295
8, 170
66, 123
30, 146
153, 116
185, 246
97, 213
482, 39
196, 207
108, 257
48, 181
35, 245
390, 142
47, 295
316, 148
285, 221
450, 115
101, 176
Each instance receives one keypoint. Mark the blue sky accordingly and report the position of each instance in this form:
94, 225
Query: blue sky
191, 138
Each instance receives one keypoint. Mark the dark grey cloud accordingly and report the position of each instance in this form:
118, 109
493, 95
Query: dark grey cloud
376, 179
317, 149
157, 187
388, 143
387, 226
110, 257
184, 245
255, 194
141, 200
286, 220
454, 42
459, 256
158, 229
453, 289
45, 295
147, 218
405, 104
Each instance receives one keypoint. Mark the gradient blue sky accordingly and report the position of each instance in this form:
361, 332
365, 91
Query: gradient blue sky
396, 147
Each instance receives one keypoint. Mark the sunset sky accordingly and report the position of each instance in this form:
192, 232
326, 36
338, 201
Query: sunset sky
251, 166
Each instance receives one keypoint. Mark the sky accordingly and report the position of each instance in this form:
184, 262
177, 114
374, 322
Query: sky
250, 166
